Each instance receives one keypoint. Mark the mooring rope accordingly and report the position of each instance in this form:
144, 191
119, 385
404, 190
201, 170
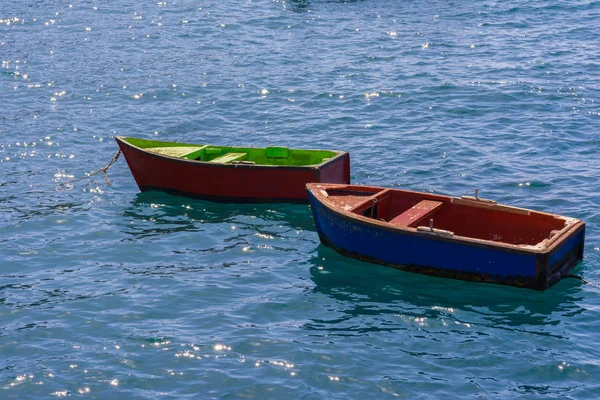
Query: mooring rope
104, 169
582, 280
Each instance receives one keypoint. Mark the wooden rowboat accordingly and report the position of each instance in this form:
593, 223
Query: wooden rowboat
226, 173
464, 238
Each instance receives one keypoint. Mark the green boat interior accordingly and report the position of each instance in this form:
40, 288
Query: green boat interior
466, 216
273, 155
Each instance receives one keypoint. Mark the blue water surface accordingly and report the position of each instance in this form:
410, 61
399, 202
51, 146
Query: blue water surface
109, 293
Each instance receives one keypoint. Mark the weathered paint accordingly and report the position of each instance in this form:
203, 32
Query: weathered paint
441, 255
238, 182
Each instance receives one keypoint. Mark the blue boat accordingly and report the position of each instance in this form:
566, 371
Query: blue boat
465, 238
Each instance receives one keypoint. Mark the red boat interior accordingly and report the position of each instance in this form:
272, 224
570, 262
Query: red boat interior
468, 217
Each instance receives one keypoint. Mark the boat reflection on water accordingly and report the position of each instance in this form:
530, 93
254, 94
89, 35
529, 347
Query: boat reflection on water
362, 289
169, 234
162, 213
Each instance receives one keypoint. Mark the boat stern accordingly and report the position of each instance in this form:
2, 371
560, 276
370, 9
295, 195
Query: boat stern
561, 257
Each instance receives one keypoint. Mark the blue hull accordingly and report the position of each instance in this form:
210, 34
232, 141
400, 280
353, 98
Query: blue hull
447, 257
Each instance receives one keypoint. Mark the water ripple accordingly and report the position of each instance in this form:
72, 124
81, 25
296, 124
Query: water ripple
111, 293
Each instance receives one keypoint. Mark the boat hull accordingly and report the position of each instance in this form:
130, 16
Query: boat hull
448, 257
230, 182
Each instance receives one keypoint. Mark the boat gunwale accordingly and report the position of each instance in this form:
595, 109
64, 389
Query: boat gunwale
339, 154
574, 225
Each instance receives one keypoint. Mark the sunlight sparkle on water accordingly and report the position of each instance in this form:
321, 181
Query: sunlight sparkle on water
187, 354
97, 190
282, 364
563, 365
448, 309
264, 236
161, 342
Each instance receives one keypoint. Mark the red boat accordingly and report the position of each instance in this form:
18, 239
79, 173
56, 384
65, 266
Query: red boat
226, 173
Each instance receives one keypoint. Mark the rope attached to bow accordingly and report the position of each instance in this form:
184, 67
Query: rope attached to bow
104, 169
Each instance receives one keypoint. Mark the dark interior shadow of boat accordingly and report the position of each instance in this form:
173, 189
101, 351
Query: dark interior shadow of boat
169, 213
367, 288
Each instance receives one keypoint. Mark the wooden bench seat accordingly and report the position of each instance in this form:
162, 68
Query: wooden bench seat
368, 201
189, 152
230, 157
416, 213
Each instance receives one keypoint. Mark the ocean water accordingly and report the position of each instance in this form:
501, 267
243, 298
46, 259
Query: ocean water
108, 293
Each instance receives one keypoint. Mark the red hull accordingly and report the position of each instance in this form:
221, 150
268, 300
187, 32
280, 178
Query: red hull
230, 182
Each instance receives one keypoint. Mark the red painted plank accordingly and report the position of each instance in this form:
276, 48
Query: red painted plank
416, 213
